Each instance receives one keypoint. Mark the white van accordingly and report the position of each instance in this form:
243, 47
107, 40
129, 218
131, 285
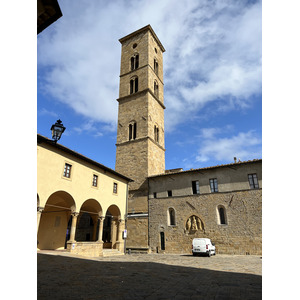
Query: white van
203, 246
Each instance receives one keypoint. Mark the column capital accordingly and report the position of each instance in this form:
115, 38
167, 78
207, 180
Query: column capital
40, 209
74, 214
101, 218
115, 218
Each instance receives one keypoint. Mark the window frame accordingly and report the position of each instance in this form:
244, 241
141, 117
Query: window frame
251, 179
134, 62
196, 188
222, 220
132, 130
115, 188
156, 89
170, 217
155, 66
170, 193
213, 183
67, 172
95, 183
156, 134
134, 85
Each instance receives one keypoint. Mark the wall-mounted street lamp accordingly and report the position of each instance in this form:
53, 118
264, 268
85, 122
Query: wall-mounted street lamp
57, 130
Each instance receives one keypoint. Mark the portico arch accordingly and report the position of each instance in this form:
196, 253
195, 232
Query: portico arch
112, 228
54, 220
88, 221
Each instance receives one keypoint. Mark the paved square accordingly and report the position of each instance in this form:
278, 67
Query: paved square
148, 276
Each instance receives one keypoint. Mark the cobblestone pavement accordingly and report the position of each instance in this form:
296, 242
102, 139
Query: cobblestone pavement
148, 276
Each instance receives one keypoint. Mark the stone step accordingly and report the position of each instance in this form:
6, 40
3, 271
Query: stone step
111, 252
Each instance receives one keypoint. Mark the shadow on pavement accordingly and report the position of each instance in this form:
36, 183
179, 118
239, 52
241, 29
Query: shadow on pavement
60, 277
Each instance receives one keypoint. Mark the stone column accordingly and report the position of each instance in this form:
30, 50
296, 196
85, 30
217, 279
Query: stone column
120, 230
73, 227
120, 242
39, 213
100, 233
113, 232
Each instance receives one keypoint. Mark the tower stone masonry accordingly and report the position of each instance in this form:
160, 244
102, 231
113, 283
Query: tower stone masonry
140, 137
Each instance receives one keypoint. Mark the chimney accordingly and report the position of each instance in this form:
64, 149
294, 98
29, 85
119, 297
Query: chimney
234, 160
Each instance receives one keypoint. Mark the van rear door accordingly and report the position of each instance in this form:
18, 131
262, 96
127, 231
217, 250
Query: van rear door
199, 245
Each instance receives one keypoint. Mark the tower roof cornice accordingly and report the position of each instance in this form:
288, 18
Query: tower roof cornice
146, 28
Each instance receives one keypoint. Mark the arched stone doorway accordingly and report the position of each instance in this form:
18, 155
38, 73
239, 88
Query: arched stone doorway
112, 229
87, 228
54, 220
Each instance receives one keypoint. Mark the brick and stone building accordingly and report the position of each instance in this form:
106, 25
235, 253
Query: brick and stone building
167, 209
223, 203
140, 138
82, 205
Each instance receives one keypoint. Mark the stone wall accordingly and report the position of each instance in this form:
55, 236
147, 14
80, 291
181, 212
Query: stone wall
90, 249
142, 156
242, 233
137, 228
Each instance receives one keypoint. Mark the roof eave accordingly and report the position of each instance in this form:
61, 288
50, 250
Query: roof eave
42, 139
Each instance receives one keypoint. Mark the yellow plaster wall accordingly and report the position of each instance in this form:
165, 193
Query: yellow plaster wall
50, 167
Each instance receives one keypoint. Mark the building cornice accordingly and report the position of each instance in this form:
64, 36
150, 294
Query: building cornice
140, 93
146, 28
232, 165
41, 139
204, 194
139, 68
140, 140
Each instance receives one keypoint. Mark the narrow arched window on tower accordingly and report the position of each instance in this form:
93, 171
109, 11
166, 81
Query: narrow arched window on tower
134, 62
155, 89
155, 66
134, 85
132, 131
156, 134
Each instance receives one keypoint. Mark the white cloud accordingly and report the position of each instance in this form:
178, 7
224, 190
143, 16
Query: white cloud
45, 112
89, 127
219, 60
213, 53
244, 145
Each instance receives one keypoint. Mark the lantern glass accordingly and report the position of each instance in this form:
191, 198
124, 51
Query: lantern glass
57, 130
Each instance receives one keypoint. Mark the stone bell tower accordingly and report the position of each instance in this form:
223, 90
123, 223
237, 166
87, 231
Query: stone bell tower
140, 137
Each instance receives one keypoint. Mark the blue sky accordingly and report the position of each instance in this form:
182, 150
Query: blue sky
207, 110
212, 77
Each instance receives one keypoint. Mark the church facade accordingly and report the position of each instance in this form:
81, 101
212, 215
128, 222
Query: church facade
223, 203
167, 209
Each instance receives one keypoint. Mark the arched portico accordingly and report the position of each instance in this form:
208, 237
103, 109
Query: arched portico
54, 217
86, 230
90, 214
112, 229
